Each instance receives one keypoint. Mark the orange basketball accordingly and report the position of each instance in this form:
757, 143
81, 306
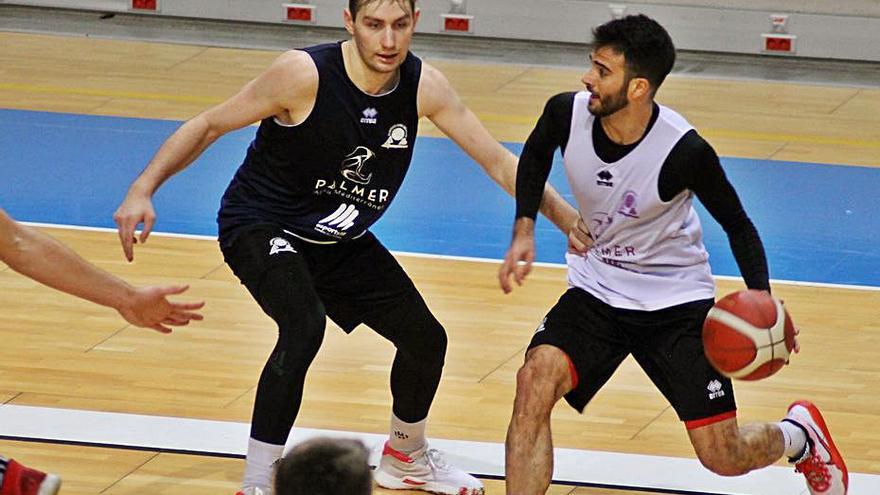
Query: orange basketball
748, 335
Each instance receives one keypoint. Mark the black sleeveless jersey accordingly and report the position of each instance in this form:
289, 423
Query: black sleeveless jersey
332, 176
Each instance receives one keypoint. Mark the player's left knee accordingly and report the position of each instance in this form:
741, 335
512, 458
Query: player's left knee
723, 461
537, 388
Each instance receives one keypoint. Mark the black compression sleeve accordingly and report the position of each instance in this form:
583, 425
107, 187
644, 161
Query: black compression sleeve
694, 165
550, 132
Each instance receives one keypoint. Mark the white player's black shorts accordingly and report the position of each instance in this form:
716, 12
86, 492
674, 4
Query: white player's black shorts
667, 344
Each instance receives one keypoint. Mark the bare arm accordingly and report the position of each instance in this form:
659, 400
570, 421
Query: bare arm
439, 102
42, 258
288, 86
520, 255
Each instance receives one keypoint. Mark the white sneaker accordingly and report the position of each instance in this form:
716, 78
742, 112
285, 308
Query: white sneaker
426, 470
821, 464
254, 490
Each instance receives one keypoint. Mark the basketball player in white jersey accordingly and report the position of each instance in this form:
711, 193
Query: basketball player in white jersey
338, 126
42, 258
644, 287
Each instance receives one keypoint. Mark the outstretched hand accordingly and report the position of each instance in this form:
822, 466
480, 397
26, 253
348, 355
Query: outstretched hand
149, 307
520, 255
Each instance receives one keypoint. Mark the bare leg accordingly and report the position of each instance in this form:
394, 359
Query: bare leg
730, 450
540, 383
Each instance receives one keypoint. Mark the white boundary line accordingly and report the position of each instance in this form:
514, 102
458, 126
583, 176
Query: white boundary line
869, 288
580, 467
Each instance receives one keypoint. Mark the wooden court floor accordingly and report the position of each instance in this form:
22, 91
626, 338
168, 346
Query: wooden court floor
61, 352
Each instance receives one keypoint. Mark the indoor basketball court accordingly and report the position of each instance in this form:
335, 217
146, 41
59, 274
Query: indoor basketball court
85, 100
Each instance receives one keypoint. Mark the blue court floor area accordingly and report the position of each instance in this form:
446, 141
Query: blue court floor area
815, 220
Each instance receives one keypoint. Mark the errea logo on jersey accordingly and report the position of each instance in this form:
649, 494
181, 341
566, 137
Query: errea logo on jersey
715, 389
370, 115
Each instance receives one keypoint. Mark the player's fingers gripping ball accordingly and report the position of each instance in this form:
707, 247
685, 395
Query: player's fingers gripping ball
748, 335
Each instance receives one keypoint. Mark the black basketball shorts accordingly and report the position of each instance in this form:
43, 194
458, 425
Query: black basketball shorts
666, 343
357, 280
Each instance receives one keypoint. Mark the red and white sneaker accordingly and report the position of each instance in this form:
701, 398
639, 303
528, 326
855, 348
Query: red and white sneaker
22, 480
821, 464
426, 470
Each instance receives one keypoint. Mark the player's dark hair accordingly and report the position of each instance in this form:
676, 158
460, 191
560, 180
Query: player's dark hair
645, 45
325, 466
355, 5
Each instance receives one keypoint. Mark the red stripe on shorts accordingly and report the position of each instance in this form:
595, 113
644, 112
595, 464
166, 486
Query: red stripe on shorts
697, 423
572, 371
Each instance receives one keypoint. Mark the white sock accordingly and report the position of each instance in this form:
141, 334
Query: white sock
261, 457
407, 437
795, 439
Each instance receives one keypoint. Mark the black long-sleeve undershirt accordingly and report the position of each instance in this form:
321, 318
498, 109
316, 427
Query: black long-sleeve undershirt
692, 164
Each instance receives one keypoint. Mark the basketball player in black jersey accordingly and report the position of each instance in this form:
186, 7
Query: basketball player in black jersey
338, 126
644, 287
40, 257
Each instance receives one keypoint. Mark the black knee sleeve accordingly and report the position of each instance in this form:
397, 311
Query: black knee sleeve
421, 352
301, 322
430, 350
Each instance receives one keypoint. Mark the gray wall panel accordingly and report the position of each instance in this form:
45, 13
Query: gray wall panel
864, 8
694, 24
102, 5
328, 12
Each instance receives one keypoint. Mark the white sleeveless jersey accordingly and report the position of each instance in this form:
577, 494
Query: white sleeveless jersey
648, 254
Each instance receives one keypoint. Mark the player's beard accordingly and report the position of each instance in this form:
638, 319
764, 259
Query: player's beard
611, 104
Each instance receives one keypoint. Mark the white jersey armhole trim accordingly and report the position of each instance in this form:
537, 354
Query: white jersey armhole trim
675, 119
314, 103
574, 125
282, 124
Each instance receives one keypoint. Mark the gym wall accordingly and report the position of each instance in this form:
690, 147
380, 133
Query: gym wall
844, 29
